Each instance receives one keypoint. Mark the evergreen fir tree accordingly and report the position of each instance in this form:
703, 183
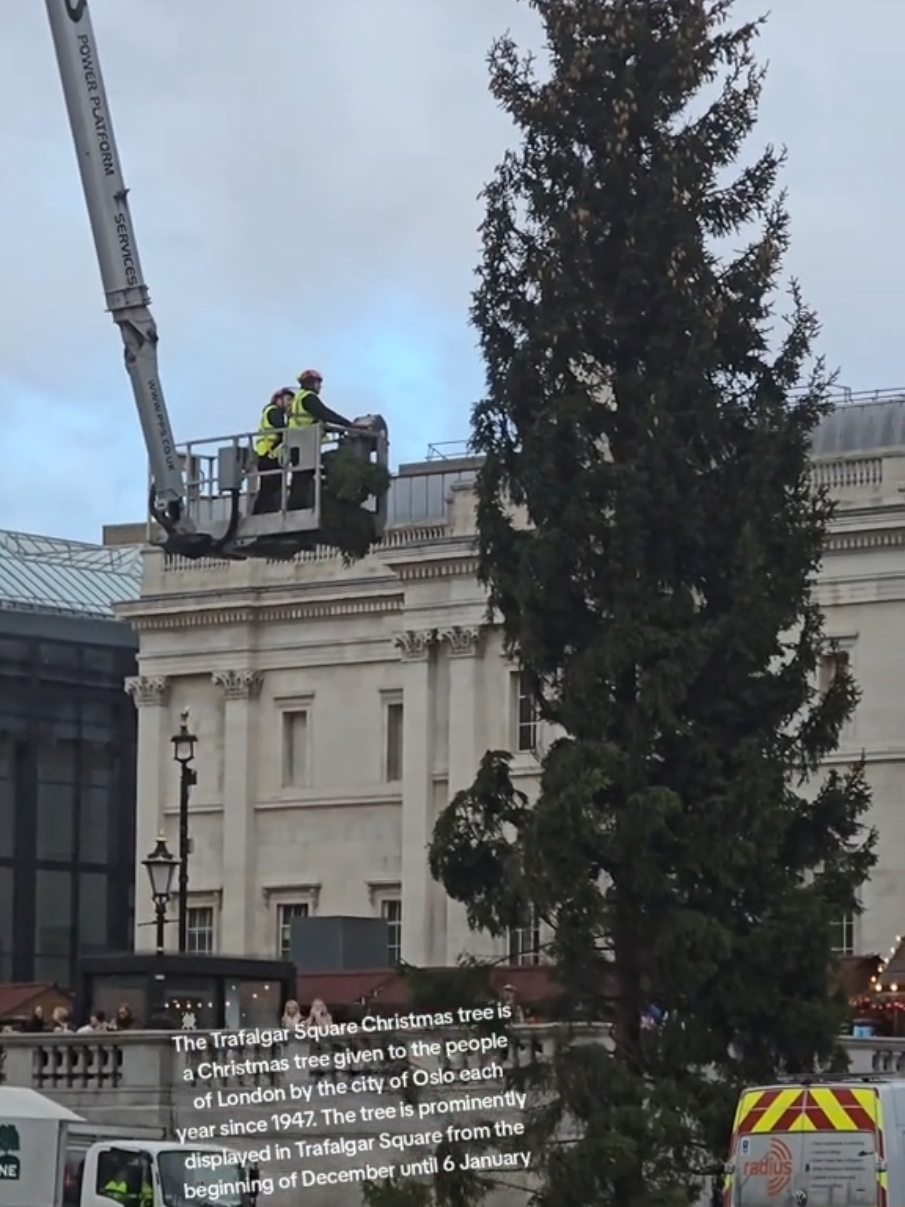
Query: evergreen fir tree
649, 536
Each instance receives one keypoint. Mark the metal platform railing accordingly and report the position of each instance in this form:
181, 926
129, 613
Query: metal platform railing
218, 468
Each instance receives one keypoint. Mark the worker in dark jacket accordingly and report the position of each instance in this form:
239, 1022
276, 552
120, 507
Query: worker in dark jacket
267, 449
307, 406
305, 409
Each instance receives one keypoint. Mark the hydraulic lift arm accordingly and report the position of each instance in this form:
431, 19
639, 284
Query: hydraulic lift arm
127, 297
200, 498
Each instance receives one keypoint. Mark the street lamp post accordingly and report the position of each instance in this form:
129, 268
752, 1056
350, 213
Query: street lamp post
161, 867
184, 754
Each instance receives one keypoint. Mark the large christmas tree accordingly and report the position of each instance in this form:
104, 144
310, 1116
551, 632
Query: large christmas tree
649, 536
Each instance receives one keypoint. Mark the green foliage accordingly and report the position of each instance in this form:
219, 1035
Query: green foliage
437, 991
349, 482
651, 418
400, 1193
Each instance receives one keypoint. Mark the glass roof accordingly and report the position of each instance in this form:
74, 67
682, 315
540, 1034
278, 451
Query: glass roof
863, 424
44, 574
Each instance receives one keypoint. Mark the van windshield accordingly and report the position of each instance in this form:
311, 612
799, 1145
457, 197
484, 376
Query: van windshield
820, 1169
193, 1178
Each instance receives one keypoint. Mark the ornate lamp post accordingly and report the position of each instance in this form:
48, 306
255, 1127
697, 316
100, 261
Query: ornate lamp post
184, 754
161, 868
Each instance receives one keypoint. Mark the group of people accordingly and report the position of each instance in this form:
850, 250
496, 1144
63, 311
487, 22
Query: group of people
289, 408
60, 1021
317, 1016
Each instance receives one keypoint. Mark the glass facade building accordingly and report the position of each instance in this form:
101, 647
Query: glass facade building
67, 756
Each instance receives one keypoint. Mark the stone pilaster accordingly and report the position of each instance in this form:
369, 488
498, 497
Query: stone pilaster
241, 690
415, 645
239, 685
463, 641
419, 920
465, 646
151, 694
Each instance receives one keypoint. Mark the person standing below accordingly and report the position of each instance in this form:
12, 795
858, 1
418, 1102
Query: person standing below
60, 1020
124, 1019
97, 1022
267, 451
37, 1022
305, 409
320, 1020
292, 1017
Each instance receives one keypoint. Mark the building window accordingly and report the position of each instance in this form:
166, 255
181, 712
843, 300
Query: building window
843, 935
94, 931
391, 912
55, 926
199, 929
393, 758
286, 913
6, 924
527, 715
295, 749
524, 942
831, 664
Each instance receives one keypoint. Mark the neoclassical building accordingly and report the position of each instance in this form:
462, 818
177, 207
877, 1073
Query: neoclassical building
337, 709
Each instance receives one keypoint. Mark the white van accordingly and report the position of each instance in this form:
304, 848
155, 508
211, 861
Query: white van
50, 1157
833, 1142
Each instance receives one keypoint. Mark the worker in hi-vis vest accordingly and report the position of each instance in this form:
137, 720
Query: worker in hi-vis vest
274, 419
117, 1188
121, 1187
306, 408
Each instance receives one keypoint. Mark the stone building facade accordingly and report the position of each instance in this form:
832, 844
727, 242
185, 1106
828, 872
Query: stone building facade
339, 709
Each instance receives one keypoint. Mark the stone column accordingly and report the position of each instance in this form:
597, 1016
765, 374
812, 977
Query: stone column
417, 650
150, 695
466, 725
239, 862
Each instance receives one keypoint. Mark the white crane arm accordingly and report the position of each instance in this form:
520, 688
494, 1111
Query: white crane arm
106, 197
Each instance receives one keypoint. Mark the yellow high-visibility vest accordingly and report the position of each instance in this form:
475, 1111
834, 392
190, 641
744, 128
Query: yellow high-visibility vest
271, 438
299, 416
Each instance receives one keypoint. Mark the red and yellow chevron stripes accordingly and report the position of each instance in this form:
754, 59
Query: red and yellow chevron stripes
809, 1109
882, 1178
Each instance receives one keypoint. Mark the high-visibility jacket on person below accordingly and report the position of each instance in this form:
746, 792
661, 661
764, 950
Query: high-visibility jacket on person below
116, 1190
271, 436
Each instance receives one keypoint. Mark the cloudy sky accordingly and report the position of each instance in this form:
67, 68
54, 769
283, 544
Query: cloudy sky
304, 182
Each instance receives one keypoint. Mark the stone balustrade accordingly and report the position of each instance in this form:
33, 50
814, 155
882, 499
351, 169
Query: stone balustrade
141, 1077
857, 473
106, 1068
140, 1080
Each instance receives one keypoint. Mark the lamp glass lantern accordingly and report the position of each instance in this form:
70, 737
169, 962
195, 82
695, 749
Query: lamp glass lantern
161, 867
184, 741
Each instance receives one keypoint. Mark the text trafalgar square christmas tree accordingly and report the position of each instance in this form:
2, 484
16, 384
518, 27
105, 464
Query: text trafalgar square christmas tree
649, 537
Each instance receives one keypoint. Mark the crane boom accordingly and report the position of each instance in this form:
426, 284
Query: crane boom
106, 197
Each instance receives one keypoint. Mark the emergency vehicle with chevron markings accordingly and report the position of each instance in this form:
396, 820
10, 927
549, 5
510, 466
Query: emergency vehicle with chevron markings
834, 1142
